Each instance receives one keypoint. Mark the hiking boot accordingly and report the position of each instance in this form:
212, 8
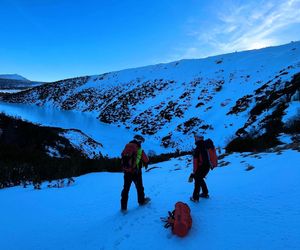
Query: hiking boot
194, 200
146, 200
123, 210
204, 195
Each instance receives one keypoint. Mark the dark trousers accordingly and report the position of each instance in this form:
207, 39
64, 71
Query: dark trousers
136, 178
200, 183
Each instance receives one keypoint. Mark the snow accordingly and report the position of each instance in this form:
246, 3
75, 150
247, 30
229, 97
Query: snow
90, 148
53, 152
286, 139
255, 209
292, 112
13, 77
10, 90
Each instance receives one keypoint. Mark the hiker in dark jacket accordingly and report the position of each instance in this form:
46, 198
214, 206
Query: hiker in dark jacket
133, 159
201, 166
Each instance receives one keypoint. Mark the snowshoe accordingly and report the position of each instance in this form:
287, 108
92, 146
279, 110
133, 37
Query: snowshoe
123, 211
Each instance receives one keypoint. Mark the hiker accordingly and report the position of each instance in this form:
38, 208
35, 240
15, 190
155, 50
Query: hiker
133, 159
204, 159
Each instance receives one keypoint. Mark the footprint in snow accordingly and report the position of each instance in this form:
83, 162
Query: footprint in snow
118, 242
169, 236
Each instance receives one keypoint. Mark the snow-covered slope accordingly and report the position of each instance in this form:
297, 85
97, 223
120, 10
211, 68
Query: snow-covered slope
82, 143
257, 209
220, 96
90, 148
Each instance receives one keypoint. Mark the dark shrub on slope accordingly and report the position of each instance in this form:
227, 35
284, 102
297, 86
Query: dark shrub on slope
279, 100
252, 144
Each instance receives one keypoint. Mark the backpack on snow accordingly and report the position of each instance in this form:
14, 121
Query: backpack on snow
128, 161
180, 219
212, 154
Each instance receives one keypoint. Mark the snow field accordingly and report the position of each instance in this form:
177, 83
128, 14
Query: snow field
255, 209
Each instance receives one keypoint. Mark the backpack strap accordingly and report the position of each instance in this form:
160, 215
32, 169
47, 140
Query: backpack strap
169, 221
138, 157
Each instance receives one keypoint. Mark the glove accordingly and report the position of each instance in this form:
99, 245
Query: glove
191, 178
146, 166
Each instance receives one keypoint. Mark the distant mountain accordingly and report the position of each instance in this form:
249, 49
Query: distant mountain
16, 82
13, 77
240, 94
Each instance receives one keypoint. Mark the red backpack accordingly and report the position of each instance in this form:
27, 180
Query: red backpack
213, 158
180, 219
212, 154
128, 161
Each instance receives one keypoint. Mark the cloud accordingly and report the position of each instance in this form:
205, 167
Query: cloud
241, 27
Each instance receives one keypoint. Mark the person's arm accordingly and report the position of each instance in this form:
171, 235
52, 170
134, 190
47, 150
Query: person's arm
197, 160
145, 159
195, 164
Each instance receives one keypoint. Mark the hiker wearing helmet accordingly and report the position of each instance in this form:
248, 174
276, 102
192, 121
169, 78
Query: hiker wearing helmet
201, 166
133, 159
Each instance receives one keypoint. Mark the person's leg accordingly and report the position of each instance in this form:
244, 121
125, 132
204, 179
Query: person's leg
125, 191
203, 186
202, 181
138, 181
196, 188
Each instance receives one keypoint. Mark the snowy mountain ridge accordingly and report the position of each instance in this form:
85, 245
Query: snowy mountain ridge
12, 83
13, 77
221, 96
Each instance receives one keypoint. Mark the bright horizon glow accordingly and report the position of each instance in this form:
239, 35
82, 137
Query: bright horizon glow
56, 39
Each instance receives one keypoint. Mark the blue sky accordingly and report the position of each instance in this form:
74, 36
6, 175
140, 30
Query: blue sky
50, 40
